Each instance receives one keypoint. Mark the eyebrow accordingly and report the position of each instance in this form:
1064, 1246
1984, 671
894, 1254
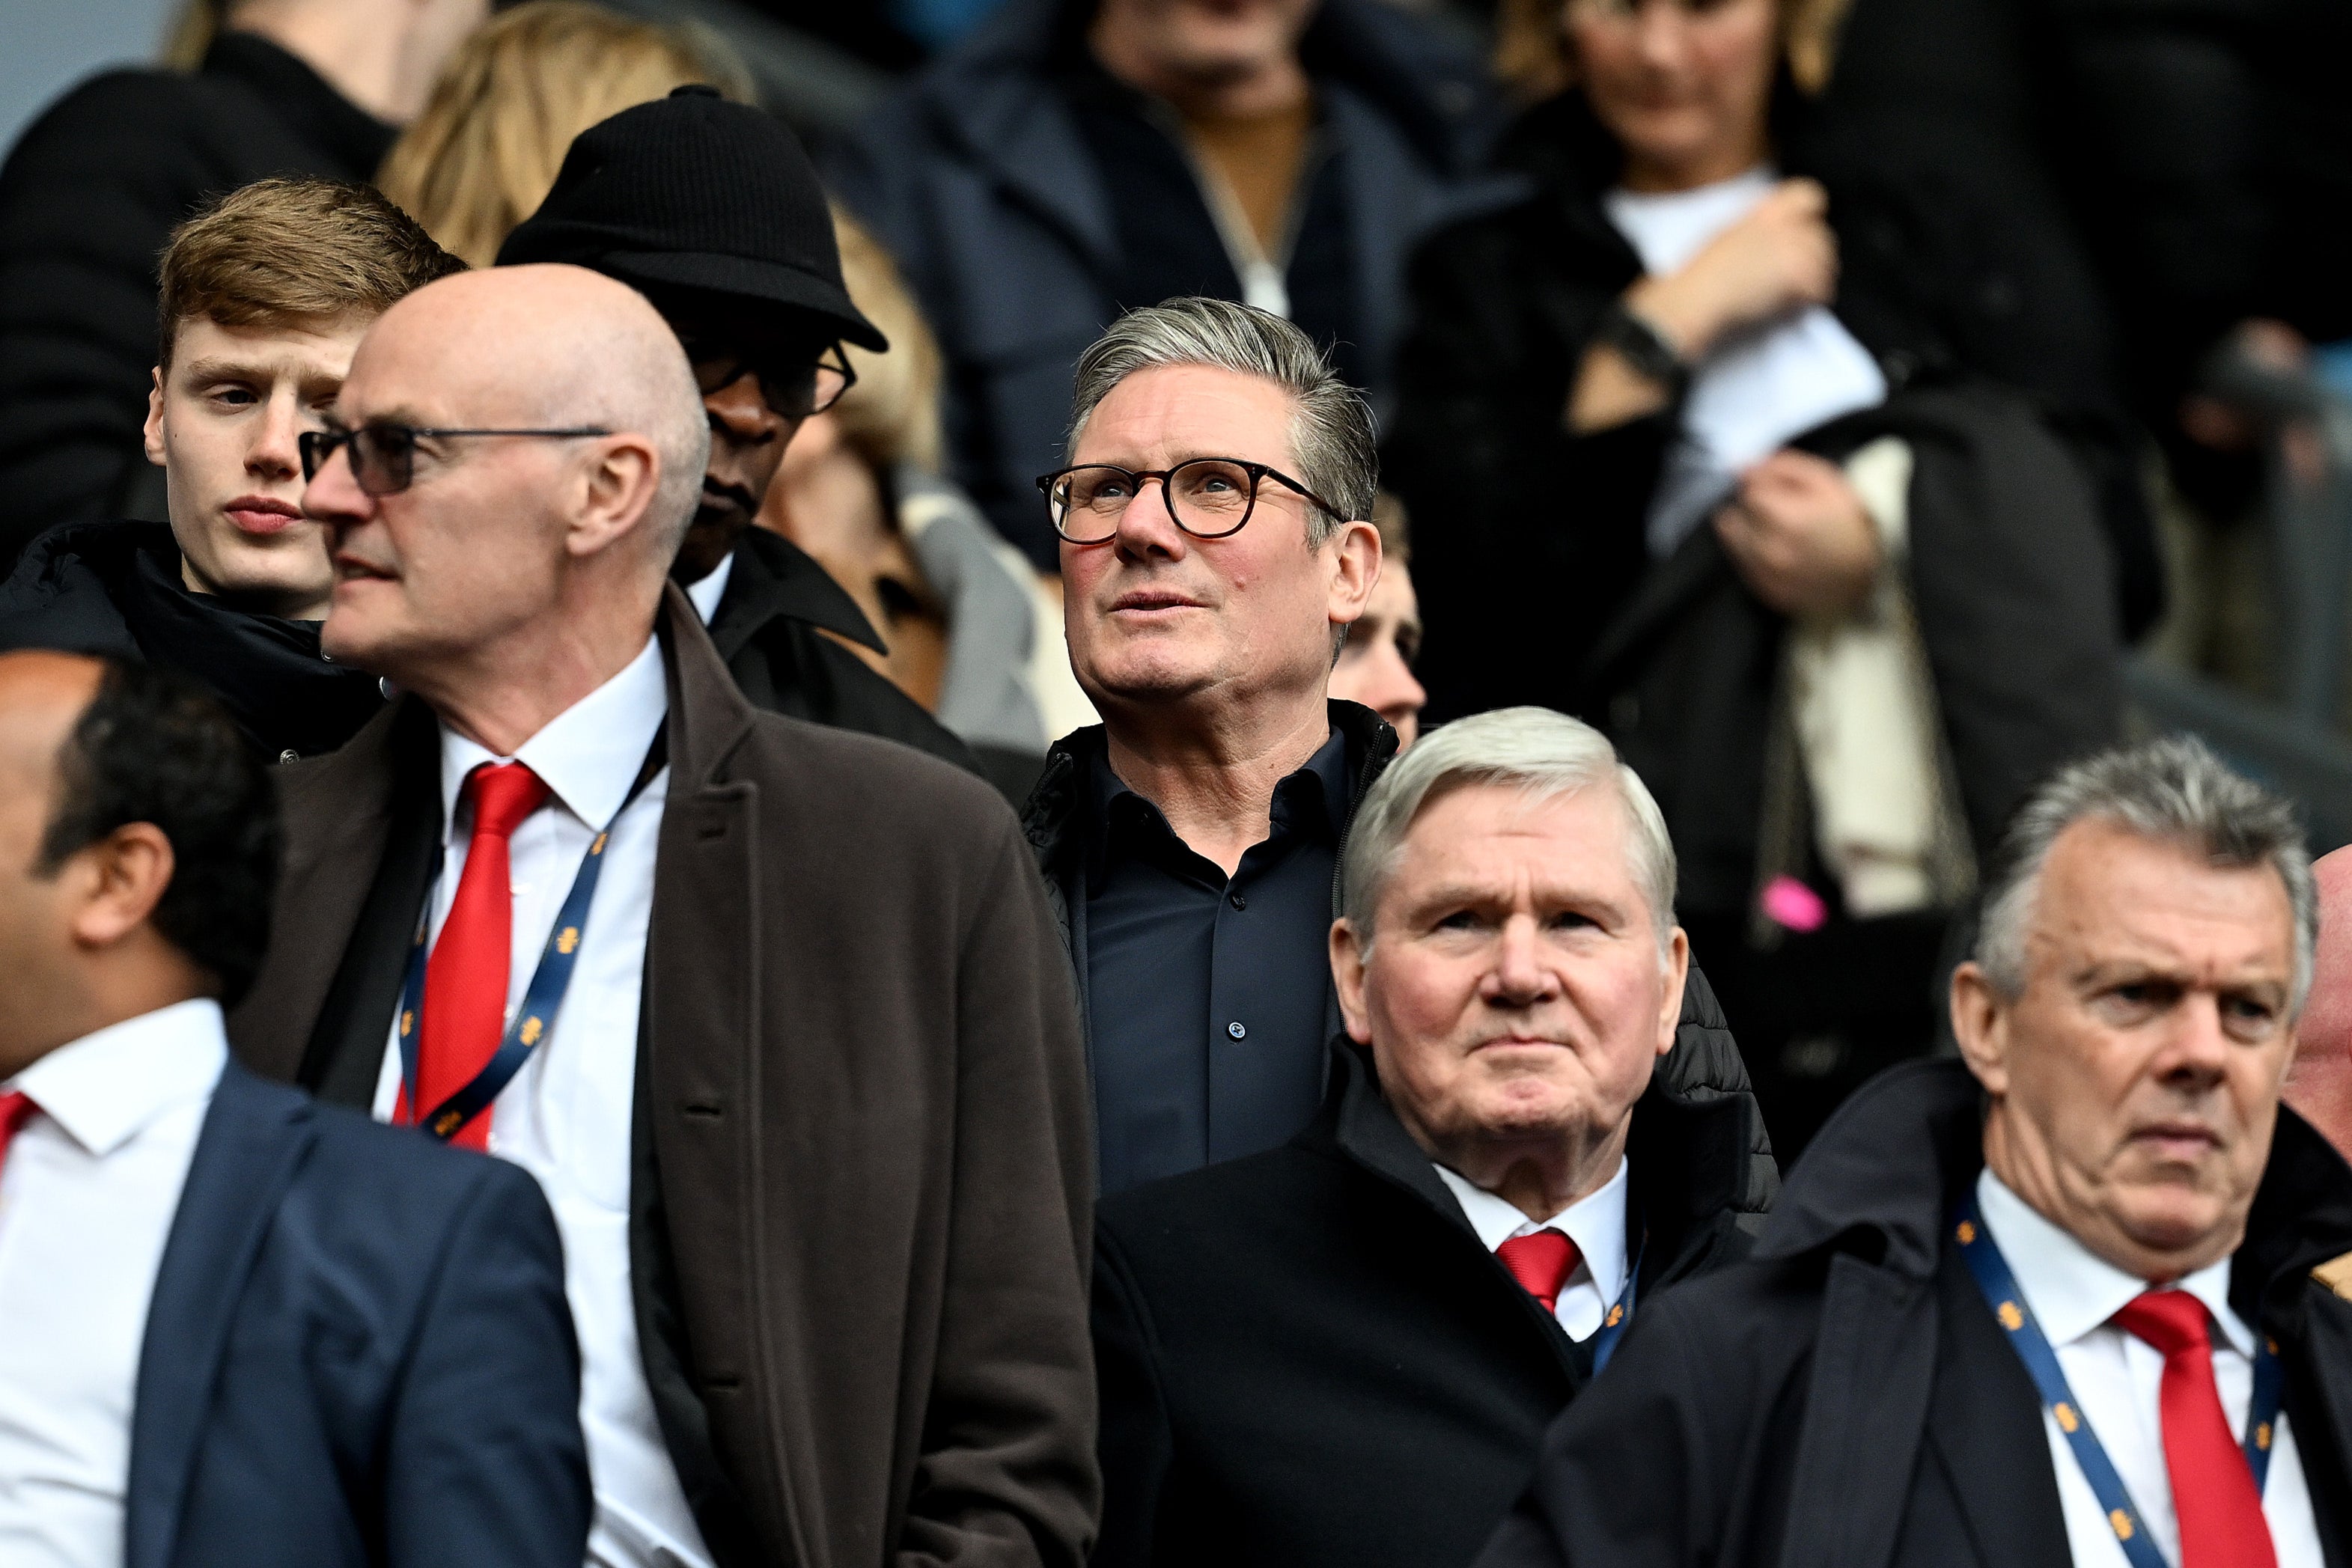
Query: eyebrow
216, 367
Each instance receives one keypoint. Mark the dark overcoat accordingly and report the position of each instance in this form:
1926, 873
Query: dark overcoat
863, 1181
1845, 1399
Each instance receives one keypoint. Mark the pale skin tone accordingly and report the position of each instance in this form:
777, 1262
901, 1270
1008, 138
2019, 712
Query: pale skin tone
381, 55
1375, 668
1222, 60
222, 422
515, 575
1209, 659
2134, 1079
1513, 989
1685, 90
75, 939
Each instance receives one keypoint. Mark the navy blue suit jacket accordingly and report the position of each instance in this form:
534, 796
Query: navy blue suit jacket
359, 1353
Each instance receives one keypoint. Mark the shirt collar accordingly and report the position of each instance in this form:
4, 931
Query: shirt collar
105, 1087
2073, 1290
1595, 1222
1313, 795
588, 754
708, 589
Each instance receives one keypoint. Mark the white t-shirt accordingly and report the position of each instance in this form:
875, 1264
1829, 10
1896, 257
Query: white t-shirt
1758, 388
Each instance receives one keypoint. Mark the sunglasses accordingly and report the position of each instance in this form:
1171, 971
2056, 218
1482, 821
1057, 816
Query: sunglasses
792, 385
383, 456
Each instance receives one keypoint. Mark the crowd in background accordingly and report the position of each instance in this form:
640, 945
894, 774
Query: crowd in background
1796, 421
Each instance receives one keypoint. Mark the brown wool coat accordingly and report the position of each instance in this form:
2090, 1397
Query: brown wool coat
861, 1123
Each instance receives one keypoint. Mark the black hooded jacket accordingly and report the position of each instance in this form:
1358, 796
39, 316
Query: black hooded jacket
115, 589
1844, 1399
1309, 1356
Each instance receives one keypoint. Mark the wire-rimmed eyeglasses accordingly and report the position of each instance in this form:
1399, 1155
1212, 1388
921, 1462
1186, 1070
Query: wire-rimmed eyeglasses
384, 455
1208, 497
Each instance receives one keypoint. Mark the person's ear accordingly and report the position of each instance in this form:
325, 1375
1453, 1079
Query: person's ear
1980, 1025
1348, 956
1670, 1004
1355, 556
616, 490
152, 434
116, 882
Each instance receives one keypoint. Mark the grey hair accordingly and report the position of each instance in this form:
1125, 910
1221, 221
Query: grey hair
1331, 425
2171, 789
1545, 754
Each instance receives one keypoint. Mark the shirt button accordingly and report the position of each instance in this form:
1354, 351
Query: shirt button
1238, 1030
287, 756
1239, 901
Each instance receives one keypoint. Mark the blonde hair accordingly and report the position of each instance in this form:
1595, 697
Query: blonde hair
1531, 56
892, 414
485, 150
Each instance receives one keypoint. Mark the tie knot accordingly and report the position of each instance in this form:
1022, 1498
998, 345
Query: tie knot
504, 794
2174, 1321
1541, 1263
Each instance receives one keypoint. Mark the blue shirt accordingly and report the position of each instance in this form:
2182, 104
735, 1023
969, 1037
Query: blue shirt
1208, 998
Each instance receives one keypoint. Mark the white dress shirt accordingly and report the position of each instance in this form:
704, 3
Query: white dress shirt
1758, 388
705, 591
2116, 1378
1596, 1223
565, 1116
87, 1199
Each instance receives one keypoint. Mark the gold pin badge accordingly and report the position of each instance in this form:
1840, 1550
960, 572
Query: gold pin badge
2067, 1420
569, 942
2121, 1523
2011, 1318
407, 1022
532, 1028
1967, 1233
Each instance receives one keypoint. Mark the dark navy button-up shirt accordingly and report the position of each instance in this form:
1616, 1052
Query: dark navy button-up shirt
1208, 997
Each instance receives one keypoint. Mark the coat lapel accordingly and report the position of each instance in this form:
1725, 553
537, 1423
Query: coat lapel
254, 1139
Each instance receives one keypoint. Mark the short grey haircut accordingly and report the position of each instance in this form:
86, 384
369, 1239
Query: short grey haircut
2172, 789
1542, 753
1331, 425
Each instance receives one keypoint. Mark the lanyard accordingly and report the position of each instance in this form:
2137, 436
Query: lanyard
540, 999
2033, 1347
1612, 1327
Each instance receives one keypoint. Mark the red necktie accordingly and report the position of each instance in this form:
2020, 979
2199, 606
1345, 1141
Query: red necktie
1541, 1263
2221, 1522
17, 1108
465, 977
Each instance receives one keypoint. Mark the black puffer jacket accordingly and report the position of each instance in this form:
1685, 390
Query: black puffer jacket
88, 198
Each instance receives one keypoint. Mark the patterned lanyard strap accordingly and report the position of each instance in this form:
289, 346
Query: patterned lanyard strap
541, 999
2032, 1347
1612, 1327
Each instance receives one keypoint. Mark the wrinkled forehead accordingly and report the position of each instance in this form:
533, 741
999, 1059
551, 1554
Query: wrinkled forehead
1559, 845
2111, 898
1164, 414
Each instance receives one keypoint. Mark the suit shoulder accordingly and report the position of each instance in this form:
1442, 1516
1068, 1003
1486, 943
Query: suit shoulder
861, 777
367, 1155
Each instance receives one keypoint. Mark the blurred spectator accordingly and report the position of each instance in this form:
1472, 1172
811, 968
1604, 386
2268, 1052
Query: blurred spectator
1214, 550
1375, 665
711, 210
95, 186
1691, 447
2319, 1084
1070, 159
485, 152
1344, 1353
265, 296
859, 490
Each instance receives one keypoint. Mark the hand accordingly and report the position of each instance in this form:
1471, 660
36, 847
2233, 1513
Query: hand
1778, 258
1798, 536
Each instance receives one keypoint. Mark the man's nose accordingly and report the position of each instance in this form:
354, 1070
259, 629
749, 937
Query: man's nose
1147, 529
2197, 1047
333, 496
1518, 975
739, 414
276, 454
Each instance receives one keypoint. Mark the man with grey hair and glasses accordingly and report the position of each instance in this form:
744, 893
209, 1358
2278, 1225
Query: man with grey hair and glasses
1346, 1351
1215, 548
2082, 1296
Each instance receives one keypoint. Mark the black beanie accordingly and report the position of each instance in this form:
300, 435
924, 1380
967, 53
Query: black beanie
692, 192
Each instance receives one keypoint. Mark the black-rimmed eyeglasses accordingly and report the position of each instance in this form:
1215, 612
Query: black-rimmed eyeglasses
793, 384
1208, 497
383, 456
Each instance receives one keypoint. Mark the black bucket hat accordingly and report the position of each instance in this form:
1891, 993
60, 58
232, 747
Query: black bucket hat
691, 194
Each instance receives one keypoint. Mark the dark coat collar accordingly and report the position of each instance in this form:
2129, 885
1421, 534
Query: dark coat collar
254, 1138
304, 99
775, 580
1881, 1179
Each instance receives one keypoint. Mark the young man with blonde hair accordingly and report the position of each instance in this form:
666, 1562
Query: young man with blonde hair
263, 296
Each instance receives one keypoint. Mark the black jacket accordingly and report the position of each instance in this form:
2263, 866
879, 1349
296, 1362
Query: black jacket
1527, 541
1309, 1357
88, 198
1844, 1399
770, 629
115, 589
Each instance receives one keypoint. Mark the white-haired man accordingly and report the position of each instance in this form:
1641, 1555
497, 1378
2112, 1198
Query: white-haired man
2079, 1298
1346, 1351
774, 1012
